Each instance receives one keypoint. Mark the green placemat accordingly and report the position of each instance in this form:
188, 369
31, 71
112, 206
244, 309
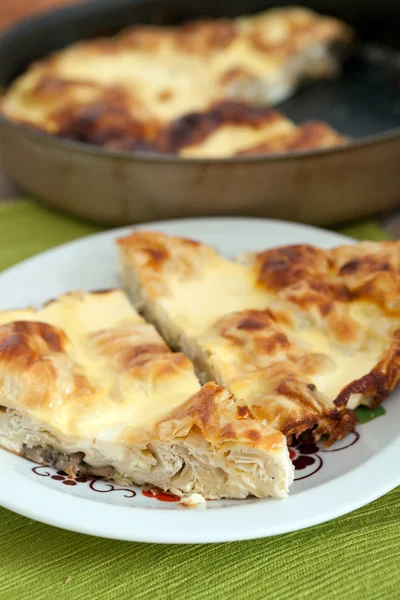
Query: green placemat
356, 557
27, 229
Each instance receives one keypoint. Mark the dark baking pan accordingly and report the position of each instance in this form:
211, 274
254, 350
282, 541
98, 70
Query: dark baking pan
323, 187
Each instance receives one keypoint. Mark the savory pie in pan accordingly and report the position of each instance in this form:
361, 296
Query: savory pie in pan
122, 92
300, 335
88, 387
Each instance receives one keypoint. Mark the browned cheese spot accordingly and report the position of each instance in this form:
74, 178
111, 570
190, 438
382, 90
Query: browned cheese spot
253, 435
165, 95
243, 412
203, 37
194, 128
305, 137
282, 267
270, 345
29, 340
228, 432
251, 324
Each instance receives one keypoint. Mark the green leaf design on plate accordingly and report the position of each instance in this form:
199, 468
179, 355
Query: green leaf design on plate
365, 414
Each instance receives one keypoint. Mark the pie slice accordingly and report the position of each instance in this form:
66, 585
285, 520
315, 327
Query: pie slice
88, 387
300, 335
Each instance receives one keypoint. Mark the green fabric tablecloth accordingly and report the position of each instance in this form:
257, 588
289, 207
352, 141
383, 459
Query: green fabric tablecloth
354, 557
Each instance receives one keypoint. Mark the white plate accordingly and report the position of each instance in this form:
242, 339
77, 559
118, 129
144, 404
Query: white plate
352, 473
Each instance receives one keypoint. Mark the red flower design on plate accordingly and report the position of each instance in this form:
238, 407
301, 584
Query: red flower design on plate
59, 476
105, 486
304, 453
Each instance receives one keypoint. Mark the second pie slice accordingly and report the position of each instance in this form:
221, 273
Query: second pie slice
300, 335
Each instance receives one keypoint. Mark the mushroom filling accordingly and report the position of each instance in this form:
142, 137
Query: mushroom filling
72, 464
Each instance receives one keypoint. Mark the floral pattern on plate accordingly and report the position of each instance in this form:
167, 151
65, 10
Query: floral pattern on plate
304, 453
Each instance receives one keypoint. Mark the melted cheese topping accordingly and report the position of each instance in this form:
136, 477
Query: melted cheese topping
198, 302
331, 367
96, 388
145, 76
229, 139
223, 287
343, 364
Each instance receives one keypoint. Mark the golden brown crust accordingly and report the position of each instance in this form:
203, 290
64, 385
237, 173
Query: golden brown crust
128, 346
371, 272
333, 281
380, 381
274, 375
108, 122
253, 333
157, 246
73, 358
333, 426
194, 128
278, 32
49, 87
211, 412
281, 267
286, 32
309, 136
35, 352
205, 37
145, 38
304, 276
366, 271
157, 254
26, 341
